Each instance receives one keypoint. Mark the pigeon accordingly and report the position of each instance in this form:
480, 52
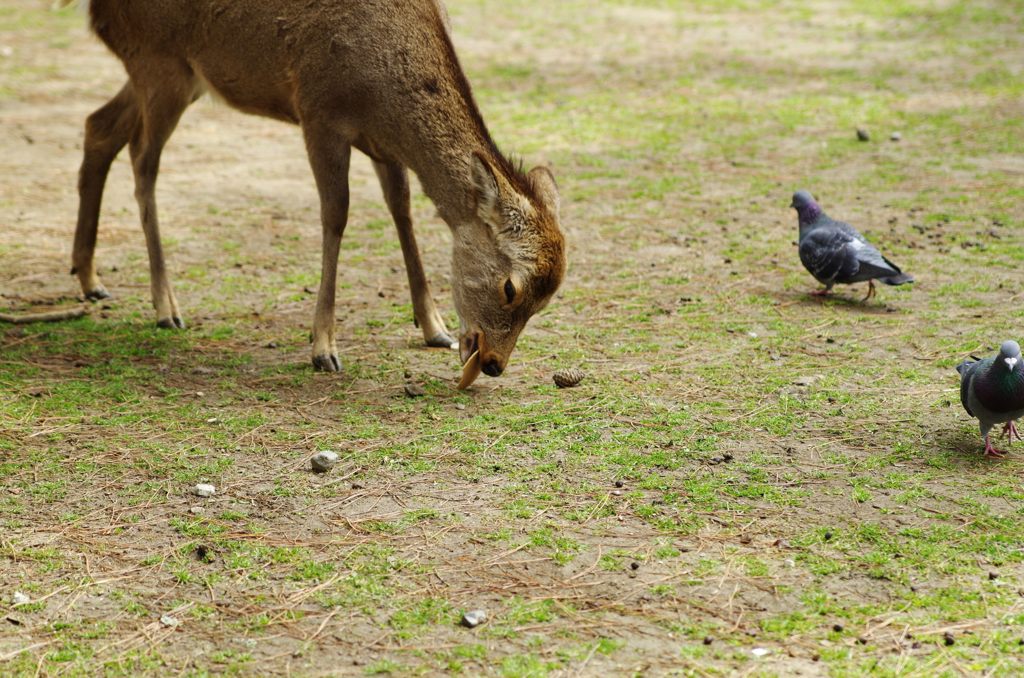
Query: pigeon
834, 252
992, 389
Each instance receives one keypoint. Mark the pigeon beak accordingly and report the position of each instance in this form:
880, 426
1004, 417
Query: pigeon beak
1011, 363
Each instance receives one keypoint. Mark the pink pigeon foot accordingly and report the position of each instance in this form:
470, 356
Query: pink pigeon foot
993, 452
1010, 430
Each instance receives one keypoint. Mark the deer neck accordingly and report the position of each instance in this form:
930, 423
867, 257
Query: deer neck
445, 173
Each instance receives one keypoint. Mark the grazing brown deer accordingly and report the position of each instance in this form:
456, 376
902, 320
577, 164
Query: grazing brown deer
378, 75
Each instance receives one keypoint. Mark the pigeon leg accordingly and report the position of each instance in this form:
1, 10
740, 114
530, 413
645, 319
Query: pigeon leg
991, 451
1010, 430
871, 291
821, 293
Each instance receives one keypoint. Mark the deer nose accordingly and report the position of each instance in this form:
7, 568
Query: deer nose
492, 368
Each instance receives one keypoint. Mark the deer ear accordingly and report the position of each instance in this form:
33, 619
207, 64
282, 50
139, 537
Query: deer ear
487, 194
547, 190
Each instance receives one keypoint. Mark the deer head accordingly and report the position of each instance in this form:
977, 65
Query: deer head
507, 263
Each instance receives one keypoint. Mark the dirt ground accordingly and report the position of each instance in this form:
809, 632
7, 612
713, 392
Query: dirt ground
749, 481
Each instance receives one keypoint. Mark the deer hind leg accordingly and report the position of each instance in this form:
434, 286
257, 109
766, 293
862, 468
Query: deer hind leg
162, 102
329, 155
394, 180
106, 133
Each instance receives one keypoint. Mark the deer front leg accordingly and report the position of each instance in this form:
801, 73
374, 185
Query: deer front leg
394, 180
106, 133
329, 157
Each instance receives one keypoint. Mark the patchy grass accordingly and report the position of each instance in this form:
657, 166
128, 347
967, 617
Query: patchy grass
743, 467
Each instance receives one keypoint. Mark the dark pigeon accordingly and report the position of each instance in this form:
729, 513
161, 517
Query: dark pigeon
992, 389
834, 252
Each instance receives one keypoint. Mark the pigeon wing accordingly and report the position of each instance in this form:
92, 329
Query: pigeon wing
871, 263
966, 370
852, 232
827, 254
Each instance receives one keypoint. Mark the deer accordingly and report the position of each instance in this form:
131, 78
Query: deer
380, 76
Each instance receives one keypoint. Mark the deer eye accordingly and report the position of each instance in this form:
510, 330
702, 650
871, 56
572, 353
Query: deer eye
510, 291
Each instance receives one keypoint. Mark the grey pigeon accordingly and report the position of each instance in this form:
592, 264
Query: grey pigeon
992, 389
834, 252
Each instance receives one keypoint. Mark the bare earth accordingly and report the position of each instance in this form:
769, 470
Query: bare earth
749, 481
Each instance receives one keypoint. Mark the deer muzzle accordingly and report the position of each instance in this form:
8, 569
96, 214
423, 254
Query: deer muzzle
477, 358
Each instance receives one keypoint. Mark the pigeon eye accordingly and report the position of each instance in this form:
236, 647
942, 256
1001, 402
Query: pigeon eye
510, 291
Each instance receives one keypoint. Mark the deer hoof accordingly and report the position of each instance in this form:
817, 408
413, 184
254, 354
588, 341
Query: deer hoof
97, 294
326, 362
442, 340
174, 323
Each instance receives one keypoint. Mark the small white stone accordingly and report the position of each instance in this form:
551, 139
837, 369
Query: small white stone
211, 420
6, 51
896, 136
169, 621
196, 510
789, 562
474, 618
324, 461
20, 598
204, 490
760, 652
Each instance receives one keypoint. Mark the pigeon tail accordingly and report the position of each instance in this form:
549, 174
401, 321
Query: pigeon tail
900, 279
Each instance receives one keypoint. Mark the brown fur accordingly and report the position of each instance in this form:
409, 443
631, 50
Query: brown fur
379, 76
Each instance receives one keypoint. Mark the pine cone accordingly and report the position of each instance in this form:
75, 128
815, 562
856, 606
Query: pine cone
568, 378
